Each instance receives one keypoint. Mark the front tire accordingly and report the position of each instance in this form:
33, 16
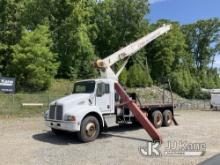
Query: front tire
89, 129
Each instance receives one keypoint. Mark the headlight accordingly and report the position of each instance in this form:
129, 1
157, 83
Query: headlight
70, 118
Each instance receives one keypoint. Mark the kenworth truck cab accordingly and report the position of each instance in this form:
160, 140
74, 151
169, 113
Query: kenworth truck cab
95, 104
83, 109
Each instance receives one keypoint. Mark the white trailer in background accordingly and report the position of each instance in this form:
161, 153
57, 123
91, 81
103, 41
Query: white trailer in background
215, 98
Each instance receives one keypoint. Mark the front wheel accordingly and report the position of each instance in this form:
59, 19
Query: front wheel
89, 129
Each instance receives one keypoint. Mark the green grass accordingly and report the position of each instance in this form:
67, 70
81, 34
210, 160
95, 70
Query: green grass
60, 87
12, 104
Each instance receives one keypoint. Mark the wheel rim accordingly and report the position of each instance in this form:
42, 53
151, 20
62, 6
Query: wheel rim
90, 129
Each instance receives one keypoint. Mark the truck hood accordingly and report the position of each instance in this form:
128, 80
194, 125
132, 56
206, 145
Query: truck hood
73, 100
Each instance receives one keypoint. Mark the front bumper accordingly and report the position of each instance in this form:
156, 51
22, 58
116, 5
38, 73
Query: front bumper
62, 125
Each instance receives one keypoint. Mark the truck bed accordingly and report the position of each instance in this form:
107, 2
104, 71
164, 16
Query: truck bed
154, 106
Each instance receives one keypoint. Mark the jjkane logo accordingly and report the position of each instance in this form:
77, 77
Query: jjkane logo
173, 148
151, 149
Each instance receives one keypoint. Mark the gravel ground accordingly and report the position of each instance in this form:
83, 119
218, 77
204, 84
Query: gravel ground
27, 141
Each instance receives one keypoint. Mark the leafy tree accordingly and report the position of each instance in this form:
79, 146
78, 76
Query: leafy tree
73, 34
168, 52
33, 63
184, 83
202, 39
36, 12
10, 30
123, 77
138, 77
209, 78
119, 23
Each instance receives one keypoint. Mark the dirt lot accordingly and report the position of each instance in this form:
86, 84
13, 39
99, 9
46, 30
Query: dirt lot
28, 141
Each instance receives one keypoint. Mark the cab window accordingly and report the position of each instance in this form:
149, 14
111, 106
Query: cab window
102, 88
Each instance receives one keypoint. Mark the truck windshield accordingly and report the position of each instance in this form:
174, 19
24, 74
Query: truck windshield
84, 87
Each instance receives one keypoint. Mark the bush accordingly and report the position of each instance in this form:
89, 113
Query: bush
138, 77
123, 77
184, 84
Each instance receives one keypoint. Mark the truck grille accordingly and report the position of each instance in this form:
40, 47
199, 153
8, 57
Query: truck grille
59, 112
56, 112
52, 112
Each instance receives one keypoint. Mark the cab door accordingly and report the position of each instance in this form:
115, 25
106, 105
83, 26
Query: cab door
103, 97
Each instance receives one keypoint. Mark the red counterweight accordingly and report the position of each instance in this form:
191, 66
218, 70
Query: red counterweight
139, 115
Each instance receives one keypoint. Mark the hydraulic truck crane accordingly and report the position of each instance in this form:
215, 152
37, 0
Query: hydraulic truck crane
98, 103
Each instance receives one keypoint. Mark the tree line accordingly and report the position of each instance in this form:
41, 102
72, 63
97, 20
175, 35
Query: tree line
45, 39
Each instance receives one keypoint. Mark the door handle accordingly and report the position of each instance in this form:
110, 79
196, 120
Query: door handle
108, 106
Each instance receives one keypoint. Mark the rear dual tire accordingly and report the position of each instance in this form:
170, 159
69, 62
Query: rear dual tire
167, 118
159, 119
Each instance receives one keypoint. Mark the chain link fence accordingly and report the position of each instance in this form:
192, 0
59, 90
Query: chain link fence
25, 104
193, 105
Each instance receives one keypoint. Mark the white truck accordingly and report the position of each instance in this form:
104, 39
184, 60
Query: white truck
97, 103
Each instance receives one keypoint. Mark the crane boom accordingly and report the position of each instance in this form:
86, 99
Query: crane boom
106, 72
128, 51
